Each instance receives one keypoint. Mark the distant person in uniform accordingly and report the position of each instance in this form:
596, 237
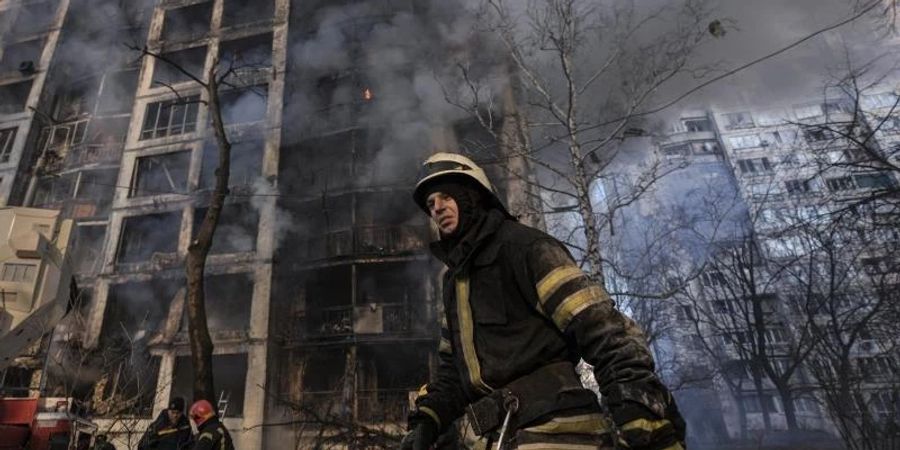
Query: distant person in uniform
170, 431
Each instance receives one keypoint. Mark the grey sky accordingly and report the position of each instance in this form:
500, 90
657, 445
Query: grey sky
762, 26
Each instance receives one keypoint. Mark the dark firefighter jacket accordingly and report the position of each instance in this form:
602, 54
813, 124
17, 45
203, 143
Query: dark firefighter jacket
212, 435
162, 435
515, 301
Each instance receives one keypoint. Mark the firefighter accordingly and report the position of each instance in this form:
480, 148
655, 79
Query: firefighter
170, 431
211, 434
518, 315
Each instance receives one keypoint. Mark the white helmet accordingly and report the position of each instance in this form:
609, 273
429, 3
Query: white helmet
445, 166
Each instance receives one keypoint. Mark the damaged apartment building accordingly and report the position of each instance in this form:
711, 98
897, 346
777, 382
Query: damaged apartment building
320, 293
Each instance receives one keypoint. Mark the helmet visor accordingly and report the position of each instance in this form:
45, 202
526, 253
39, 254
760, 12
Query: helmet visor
441, 166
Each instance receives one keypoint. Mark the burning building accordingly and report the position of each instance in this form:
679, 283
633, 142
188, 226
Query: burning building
320, 295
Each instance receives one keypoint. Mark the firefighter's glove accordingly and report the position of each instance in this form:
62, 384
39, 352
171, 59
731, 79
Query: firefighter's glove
423, 434
655, 427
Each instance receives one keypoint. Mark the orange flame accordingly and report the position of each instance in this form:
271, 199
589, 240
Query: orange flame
367, 94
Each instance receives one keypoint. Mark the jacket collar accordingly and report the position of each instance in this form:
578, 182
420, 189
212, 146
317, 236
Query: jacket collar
457, 258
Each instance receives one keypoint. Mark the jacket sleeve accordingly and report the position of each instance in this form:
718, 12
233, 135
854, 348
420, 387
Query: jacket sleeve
443, 399
605, 338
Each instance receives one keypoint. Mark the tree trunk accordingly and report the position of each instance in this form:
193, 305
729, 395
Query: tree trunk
195, 265
787, 401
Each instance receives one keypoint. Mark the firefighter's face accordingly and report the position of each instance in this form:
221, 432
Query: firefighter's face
174, 415
444, 212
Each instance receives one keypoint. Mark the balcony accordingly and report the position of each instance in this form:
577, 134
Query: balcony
346, 321
368, 240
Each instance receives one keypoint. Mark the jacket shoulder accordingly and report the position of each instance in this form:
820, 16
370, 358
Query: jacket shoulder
519, 234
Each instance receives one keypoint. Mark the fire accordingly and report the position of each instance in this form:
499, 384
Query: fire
367, 94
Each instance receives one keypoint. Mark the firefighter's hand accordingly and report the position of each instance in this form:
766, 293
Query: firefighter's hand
641, 429
424, 433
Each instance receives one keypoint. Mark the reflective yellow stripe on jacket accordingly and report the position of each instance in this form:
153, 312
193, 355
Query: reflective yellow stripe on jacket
467, 335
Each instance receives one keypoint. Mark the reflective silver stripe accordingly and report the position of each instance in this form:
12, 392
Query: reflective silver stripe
467, 335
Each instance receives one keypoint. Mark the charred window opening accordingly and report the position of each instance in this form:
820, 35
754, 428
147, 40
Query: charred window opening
187, 23
387, 222
145, 236
75, 99
161, 174
35, 18
329, 310
191, 60
389, 373
392, 294
323, 229
245, 168
17, 381
170, 117
237, 229
324, 373
231, 377
127, 386
103, 141
13, 97
7, 139
22, 55
53, 190
136, 312
94, 192
244, 105
238, 12
117, 95
322, 164
87, 255
250, 52
228, 302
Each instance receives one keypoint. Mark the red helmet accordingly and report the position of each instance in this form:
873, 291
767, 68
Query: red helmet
201, 411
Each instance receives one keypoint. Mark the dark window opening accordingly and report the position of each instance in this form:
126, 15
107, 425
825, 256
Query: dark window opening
245, 164
324, 372
187, 23
231, 378
322, 229
190, 60
236, 231
75, 99
228, 299
144, 236
103, 141
250, 52
392, 296
840, 184
696, 125
21, 56
244, 105
87, 254
136, 312
677, 151
705, 148
13, 97
117, 95
35, 18
389, 374
237, 12
94, 192
161, 174
170, 117
816, 134
797, 187
16, 381
329, 309
7, 139
53, 190
875, 181
387, 222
